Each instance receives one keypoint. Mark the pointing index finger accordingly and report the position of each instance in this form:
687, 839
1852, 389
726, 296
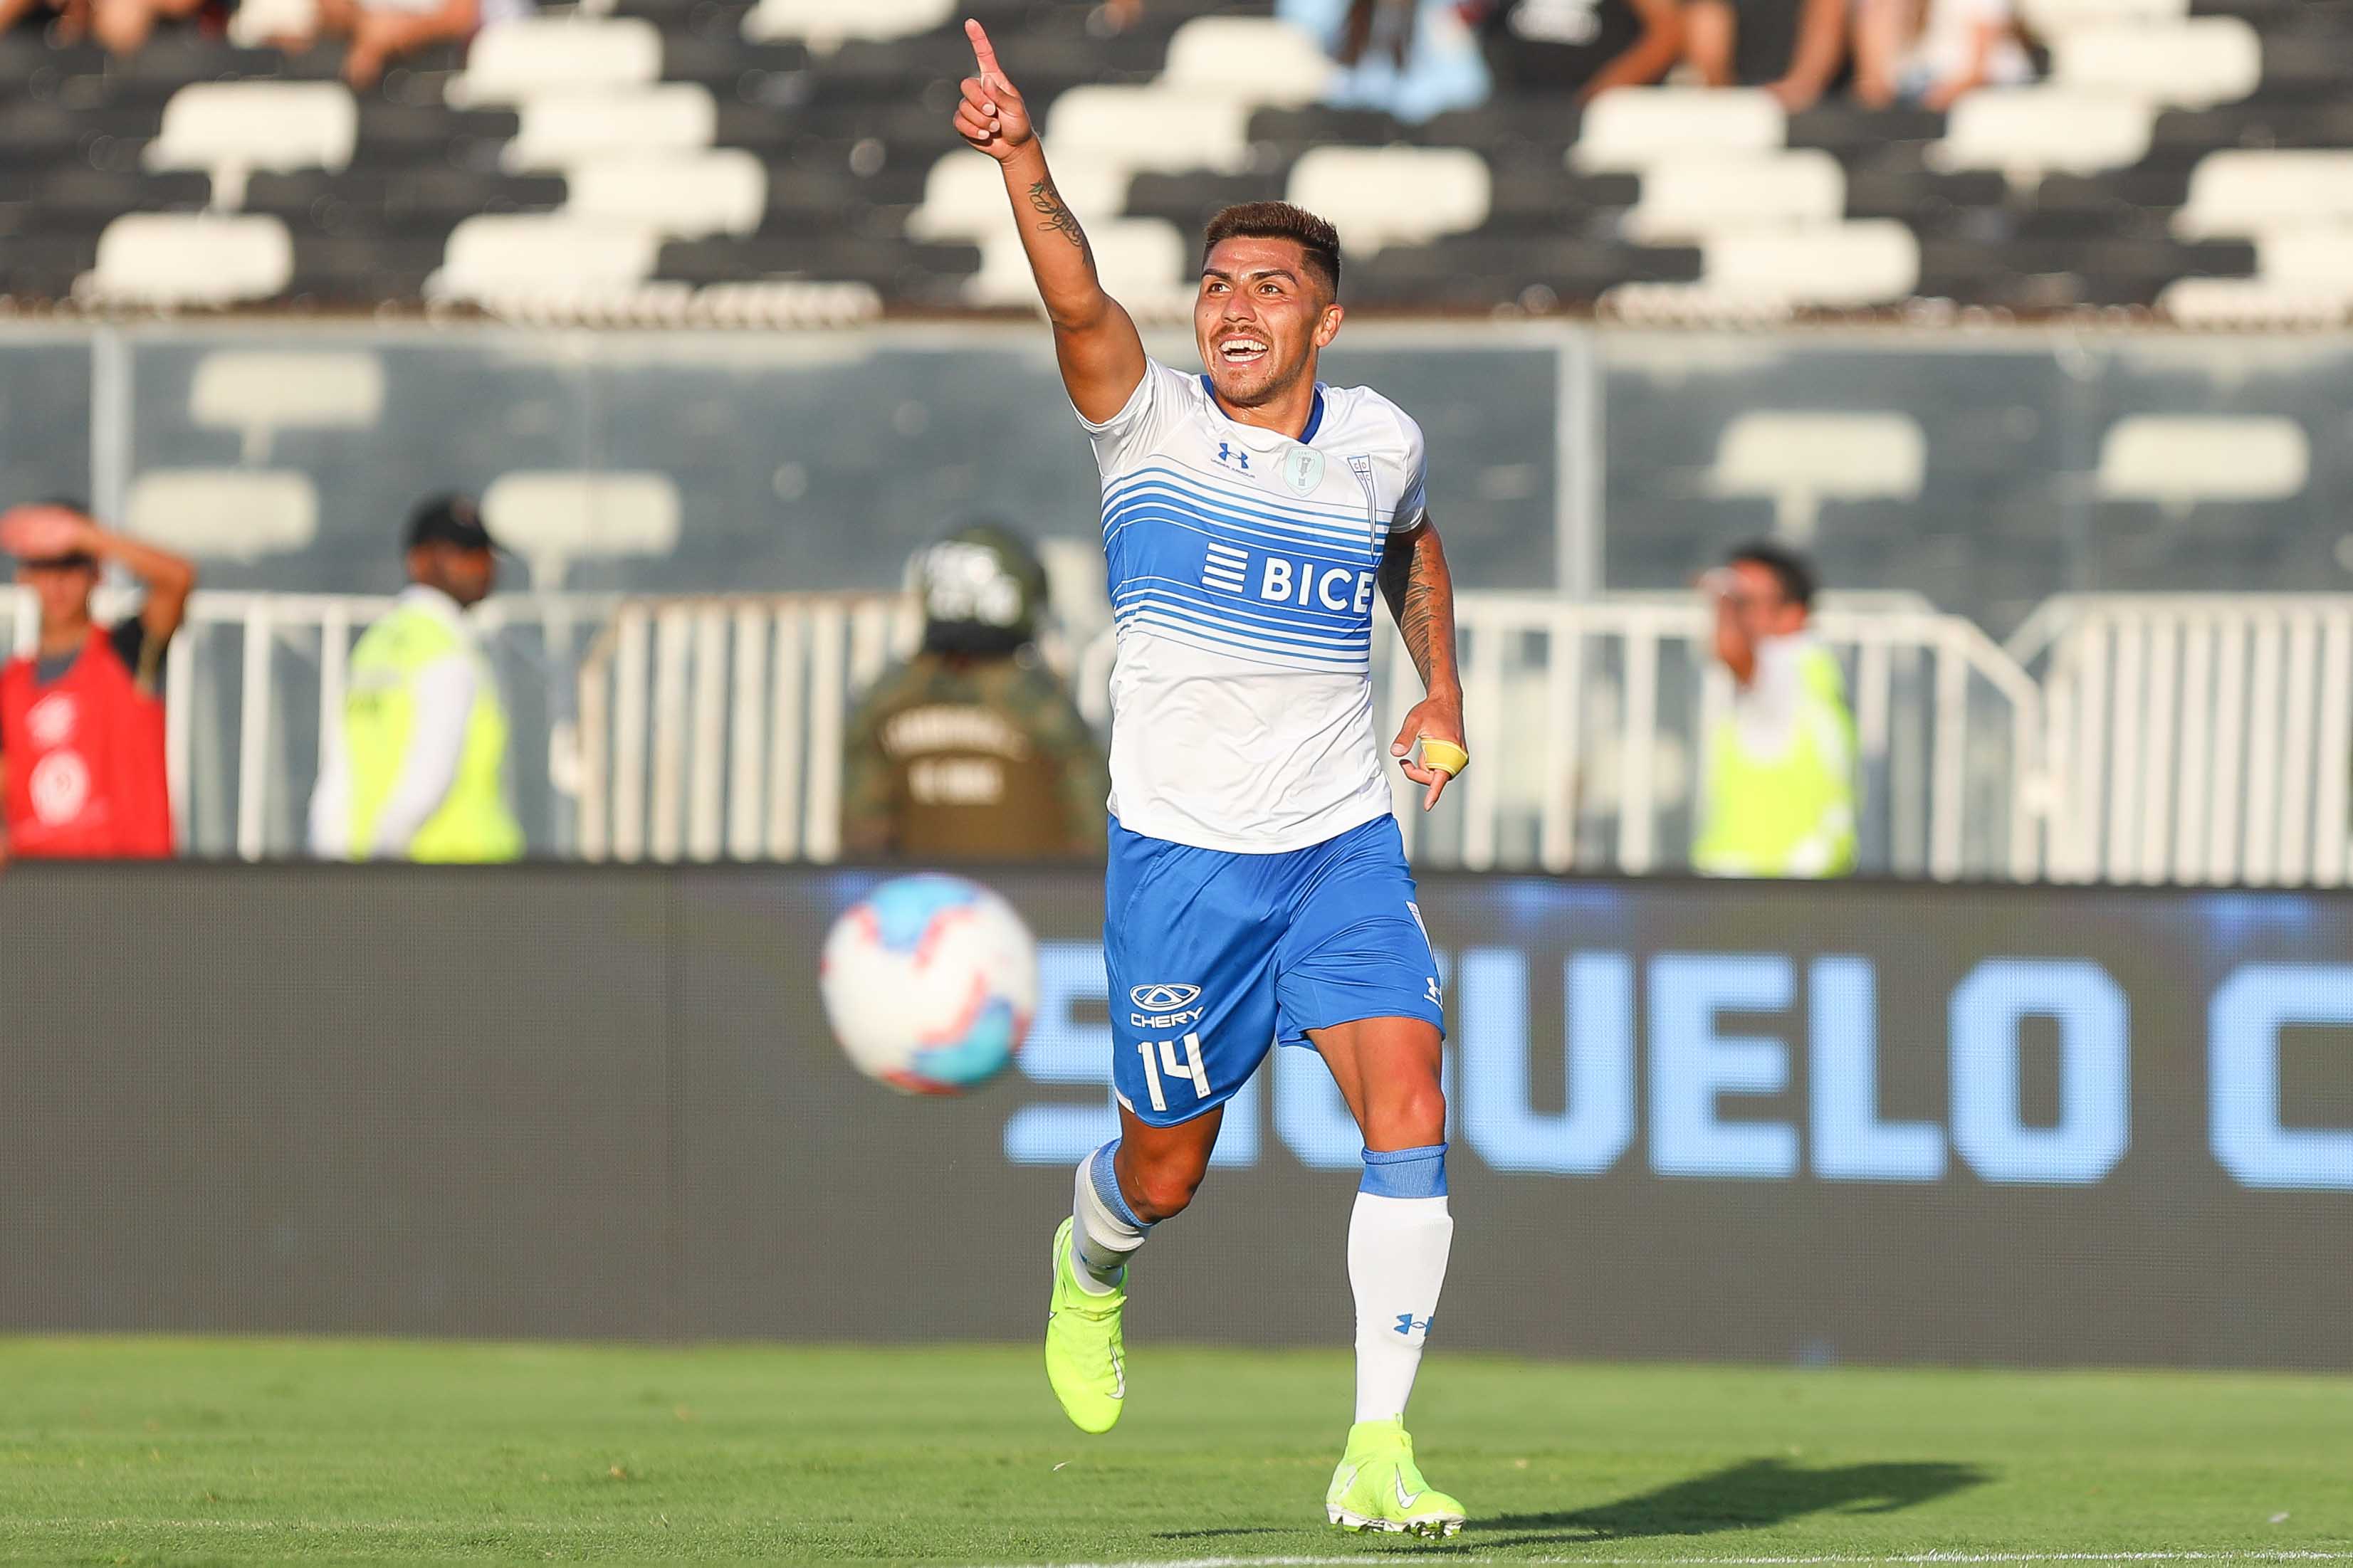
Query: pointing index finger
981, 51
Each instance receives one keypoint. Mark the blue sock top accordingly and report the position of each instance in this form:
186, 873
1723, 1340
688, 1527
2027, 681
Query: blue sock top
1106, 1181
1405, 1173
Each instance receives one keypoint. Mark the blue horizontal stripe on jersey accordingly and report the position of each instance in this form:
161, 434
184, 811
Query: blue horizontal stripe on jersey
1287, 616
1219, 612
1216, 482
1192, 514
1175, 492
1164, 626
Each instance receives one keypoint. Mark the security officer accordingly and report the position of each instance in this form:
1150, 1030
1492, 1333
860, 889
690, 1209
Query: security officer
972, 750
417, 772
1780, 792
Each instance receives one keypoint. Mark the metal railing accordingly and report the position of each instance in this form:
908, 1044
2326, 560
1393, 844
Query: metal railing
2199, 738
712, 728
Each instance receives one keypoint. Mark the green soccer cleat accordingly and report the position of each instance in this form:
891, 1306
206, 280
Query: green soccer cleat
1378, 1485
1085, 1360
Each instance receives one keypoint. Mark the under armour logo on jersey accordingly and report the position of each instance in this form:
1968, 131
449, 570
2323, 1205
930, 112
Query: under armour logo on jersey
1233, 456
1408, 1322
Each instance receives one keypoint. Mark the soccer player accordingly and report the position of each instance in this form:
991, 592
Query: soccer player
1257, 889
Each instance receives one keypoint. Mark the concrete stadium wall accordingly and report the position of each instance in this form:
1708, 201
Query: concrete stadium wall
1874, 1121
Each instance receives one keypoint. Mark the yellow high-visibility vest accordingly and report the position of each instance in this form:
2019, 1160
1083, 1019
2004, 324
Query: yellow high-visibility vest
473, 821
1784, 805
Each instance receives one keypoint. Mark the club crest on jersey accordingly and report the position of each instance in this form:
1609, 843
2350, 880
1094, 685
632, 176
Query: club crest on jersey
1302, 470
1233, 456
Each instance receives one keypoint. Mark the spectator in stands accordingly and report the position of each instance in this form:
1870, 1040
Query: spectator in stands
1901, 57
1410, 58
380, 31
417, 771
1815, 56
81, 717
123, 26
972, 750
1580, 46
1780, 790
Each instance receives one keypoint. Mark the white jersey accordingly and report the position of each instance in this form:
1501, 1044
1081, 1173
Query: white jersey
1242, 573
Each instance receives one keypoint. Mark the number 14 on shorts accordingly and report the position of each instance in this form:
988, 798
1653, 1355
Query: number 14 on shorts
1161, 1056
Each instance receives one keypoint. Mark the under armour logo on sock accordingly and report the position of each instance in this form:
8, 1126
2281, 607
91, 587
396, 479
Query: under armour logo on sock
1406, 1323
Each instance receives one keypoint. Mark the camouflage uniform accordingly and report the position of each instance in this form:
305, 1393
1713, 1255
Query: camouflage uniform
972, 757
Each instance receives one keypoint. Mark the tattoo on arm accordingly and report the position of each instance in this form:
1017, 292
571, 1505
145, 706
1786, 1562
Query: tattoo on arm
1055, 217
1411, 572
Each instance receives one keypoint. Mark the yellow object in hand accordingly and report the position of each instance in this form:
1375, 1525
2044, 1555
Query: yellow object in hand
1444, 756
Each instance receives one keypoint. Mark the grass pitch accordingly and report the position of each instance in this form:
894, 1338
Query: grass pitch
185, 1452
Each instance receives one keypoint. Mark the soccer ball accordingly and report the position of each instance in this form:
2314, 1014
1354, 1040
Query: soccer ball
930, 982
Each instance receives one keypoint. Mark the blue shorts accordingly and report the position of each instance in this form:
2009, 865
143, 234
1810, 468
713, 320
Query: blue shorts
1216, 957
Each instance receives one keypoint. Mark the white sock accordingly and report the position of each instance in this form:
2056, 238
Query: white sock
1398, 1238
1106, 1232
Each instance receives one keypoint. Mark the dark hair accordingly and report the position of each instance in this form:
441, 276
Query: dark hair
1280, 220
1790, 570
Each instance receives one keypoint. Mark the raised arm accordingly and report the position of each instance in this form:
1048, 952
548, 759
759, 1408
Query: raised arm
1421, 594
1096, 344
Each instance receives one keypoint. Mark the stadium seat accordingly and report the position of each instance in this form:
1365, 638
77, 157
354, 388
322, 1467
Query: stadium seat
1254, 61
257, 23
1631, 127
504, 256
552, 518
2202, 61
258, 393
1690, 198
514, 62
963, 196
1133, 128
2027, 131
224, 514
561, 131
1772, 271
2054, 19
2245, 191
1798, 460
825, 25
1146, 264
2180, 460
190, 258
1381, 196
231, 128
684, 196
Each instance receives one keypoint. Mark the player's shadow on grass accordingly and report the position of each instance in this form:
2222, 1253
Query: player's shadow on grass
1747, 1496
1740, 1496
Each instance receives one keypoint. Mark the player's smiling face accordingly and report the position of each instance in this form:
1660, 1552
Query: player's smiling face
1260, 318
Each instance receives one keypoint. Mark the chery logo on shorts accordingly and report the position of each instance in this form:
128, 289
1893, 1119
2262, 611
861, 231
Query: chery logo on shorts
1163, 1006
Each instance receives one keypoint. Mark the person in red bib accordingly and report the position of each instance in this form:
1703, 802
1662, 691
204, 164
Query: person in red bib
81, 717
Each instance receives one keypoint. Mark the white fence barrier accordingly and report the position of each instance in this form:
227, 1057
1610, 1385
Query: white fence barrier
2200, 738
712, 728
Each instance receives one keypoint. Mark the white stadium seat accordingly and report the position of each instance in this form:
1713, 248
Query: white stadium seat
558, 132
2202, 61
1255, 60
826, 25
1153, 128
224, 514
1379, 196
2178, 460
257, 23
963, 196
2028, 132
552, 519
231, 128
685, 195
497, 257
513, 62
1144, 262
2053, 18
1847, 266
190, 258
1631, 127
2241, 192
259, 392
1800, 460
1690, 198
